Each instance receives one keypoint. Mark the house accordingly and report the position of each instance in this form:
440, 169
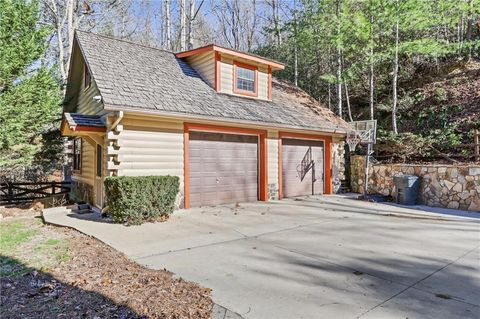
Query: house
213, 116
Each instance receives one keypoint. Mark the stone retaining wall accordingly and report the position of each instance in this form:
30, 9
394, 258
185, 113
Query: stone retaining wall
451, 186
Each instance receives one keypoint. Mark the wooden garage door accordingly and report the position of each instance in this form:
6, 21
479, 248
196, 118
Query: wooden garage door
223, 168
293, 153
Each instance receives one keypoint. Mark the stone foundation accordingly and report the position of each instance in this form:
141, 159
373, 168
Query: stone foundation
338, 164
450, 186
82, 192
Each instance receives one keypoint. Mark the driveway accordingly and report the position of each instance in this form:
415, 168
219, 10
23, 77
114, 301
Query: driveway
317, 257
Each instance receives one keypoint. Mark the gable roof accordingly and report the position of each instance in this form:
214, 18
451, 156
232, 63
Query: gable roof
133, 77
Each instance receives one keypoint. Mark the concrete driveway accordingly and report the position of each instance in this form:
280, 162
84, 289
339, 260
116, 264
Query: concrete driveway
318, 257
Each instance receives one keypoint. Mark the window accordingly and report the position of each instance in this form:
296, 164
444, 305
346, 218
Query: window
77, 154
245, 79
87, 78
99, 160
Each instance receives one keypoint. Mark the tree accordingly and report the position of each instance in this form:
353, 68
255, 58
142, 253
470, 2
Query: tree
395, 68
29, 92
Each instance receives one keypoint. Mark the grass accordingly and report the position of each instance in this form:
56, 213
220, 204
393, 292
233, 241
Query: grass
25, 245
13, 235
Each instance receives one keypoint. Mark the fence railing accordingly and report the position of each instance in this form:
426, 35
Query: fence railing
11, 193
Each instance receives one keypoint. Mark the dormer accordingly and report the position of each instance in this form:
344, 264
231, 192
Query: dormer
233, 72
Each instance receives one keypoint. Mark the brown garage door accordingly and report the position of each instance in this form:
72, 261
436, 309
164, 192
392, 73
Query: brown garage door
223, 168
298, 181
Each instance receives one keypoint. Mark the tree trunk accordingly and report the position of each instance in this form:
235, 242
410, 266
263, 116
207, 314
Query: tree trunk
168, 22
183, 25
469, 30
395, 75
275, 20
190, 24
295, 44
339, 65
329, 96
371, 73
348, 102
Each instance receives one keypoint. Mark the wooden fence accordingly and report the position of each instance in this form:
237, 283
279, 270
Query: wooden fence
11, 193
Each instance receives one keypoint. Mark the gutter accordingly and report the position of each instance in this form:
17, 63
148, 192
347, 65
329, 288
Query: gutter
335, 130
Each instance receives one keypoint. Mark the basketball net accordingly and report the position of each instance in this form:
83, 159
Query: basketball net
352, 140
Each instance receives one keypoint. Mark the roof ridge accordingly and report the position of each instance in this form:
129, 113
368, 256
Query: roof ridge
123, 40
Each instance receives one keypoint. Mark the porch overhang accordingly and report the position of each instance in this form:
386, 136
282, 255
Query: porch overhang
90, 127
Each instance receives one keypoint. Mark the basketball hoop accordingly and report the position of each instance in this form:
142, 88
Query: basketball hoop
352, 143
365, 133
353, 139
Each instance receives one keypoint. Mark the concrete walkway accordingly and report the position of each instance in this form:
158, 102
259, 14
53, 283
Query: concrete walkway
318, 257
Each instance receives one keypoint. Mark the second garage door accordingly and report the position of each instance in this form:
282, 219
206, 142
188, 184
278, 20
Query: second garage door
302, 179
223, 168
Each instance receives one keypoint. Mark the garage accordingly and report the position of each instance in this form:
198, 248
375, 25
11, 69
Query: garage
302, 167
223, 168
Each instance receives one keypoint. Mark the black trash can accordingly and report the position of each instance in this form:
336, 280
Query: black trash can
407, 189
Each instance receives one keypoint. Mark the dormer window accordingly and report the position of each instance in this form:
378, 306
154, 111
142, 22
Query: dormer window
233, 72
245, 79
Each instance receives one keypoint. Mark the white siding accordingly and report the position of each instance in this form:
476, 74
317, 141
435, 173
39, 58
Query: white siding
86, 104
226, 75
263, 83
226, 81
204, 64
272, 147
150, 147
88, 164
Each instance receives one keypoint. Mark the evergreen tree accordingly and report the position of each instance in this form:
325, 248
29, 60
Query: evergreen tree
30, 93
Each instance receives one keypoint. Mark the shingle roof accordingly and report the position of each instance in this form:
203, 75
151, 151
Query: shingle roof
135, 77
77, 119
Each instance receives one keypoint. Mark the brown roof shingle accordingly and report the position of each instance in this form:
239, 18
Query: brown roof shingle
135, 77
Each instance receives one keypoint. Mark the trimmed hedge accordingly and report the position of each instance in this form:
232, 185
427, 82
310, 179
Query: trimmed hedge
133, 200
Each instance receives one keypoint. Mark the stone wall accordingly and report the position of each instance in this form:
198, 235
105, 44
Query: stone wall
452, 186
338, 164
81, 192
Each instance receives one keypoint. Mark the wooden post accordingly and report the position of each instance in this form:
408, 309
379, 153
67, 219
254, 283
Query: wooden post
53, 188
476, 141
10, 193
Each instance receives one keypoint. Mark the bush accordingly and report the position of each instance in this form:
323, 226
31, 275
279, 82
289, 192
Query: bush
133, 200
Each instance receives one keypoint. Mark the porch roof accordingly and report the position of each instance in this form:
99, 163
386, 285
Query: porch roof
82, 123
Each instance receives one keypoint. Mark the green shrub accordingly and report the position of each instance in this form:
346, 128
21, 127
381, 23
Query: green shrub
133, 200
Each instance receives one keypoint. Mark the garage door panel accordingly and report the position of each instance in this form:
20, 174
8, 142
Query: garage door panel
293, 152
224, 168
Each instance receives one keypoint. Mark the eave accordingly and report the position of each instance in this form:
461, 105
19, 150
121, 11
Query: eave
275, 65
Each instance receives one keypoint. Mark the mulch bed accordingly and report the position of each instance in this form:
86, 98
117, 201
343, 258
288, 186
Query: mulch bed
100, 282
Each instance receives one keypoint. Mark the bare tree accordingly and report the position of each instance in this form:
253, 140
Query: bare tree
237, 22
66, 18
183, 24
191, 18
68, 15
168, 24
275, 20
